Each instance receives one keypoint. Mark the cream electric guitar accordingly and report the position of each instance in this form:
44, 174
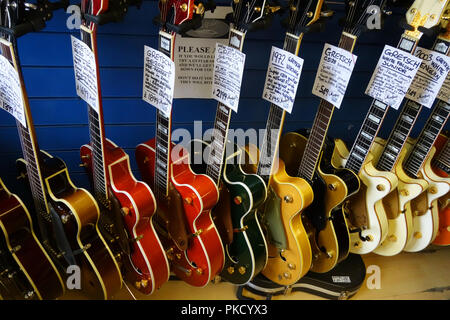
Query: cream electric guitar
367, 218
391, 155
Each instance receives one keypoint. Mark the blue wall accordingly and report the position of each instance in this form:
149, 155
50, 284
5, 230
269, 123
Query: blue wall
60, 116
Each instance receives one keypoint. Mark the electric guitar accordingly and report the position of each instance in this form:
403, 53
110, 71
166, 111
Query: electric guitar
26, 271
67, 216
441, 166
188, 233
330, 239
235, 214
289, 247
145, 262
367, 217
389, 156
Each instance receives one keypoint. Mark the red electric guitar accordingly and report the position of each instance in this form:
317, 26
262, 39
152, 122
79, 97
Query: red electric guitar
145, 259
184, 199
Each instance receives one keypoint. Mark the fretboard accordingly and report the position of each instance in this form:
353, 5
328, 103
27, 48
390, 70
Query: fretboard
442, 160
163, 130
30, 148
374, 119
321, 123
275, 122
222, 121
96, 127
427, 138
402, 127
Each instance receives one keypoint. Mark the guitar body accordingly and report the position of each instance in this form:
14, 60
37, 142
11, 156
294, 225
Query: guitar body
425, 208
365, 208
28, 265
149, 264
397, 204
79, 215
204, 257
246, 253
324, 218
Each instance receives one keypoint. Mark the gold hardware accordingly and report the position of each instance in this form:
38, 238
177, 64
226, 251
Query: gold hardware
86, 156
404, 192
369, 237
288, 199
184, 7
293, 8
146, 159
230, 270
188, 272
417, 235
257, 9
237, 200
188, 200
16, 248
291, 266
199, 9
197, 233
118, 256
433, 190
287, 275
392, 238
178, 255
241, 270
448, 228
137, 284
65, 218
125, 211
332, 186
236, 1
432, 17
330, 254
83, 165
273, 9
21, 176
357, 244
309, 14
199, 271
380, 187
413, 10
139, 237
240, 229
144, 283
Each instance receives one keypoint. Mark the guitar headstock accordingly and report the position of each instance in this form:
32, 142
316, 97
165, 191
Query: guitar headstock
251, 14
359, 12
93, 8
424, 15
12, 12
303, 14
181, 16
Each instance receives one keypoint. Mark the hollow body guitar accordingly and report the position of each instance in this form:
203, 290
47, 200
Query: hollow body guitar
79, 214
331, 186
441, 167
367, 204
397, 204
27, 272
246, 253
203, 257
149, 267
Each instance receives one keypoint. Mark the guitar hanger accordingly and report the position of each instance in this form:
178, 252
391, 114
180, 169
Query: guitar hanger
115, 13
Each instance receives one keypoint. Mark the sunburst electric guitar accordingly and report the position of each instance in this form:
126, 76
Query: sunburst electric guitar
67, 216
368, 219
143, 256
185, 199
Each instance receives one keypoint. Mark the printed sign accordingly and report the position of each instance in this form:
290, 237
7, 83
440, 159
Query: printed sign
283, 75
85, 68
429, 78
227, 75
159, 80
393, 75
11, 98
334, 72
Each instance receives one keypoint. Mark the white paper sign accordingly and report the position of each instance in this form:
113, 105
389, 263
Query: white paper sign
283, 75
11, 98
393, 75
227, 75
85, 68
334, 72
159, 80
444, 94
429, 78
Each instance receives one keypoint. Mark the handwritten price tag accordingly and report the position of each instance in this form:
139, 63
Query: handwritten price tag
11, 98
85, 68
159, 80
334, 72
227, 75
393, 76
429, 78
283, 75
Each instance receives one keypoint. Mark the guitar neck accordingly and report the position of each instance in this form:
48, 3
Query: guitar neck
28, 139
427, 138
374, 118
96, 126
404, 124
442, 161
222, 121
166, 44
275, 120
321, 123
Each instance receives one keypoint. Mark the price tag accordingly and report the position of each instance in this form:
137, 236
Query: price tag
444, 94
393, 76
85, 68
283, 75
334, 72
11, 98
429, 78
227, 75
159, 80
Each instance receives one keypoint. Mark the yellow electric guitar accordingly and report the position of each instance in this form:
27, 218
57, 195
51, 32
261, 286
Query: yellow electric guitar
390, 155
